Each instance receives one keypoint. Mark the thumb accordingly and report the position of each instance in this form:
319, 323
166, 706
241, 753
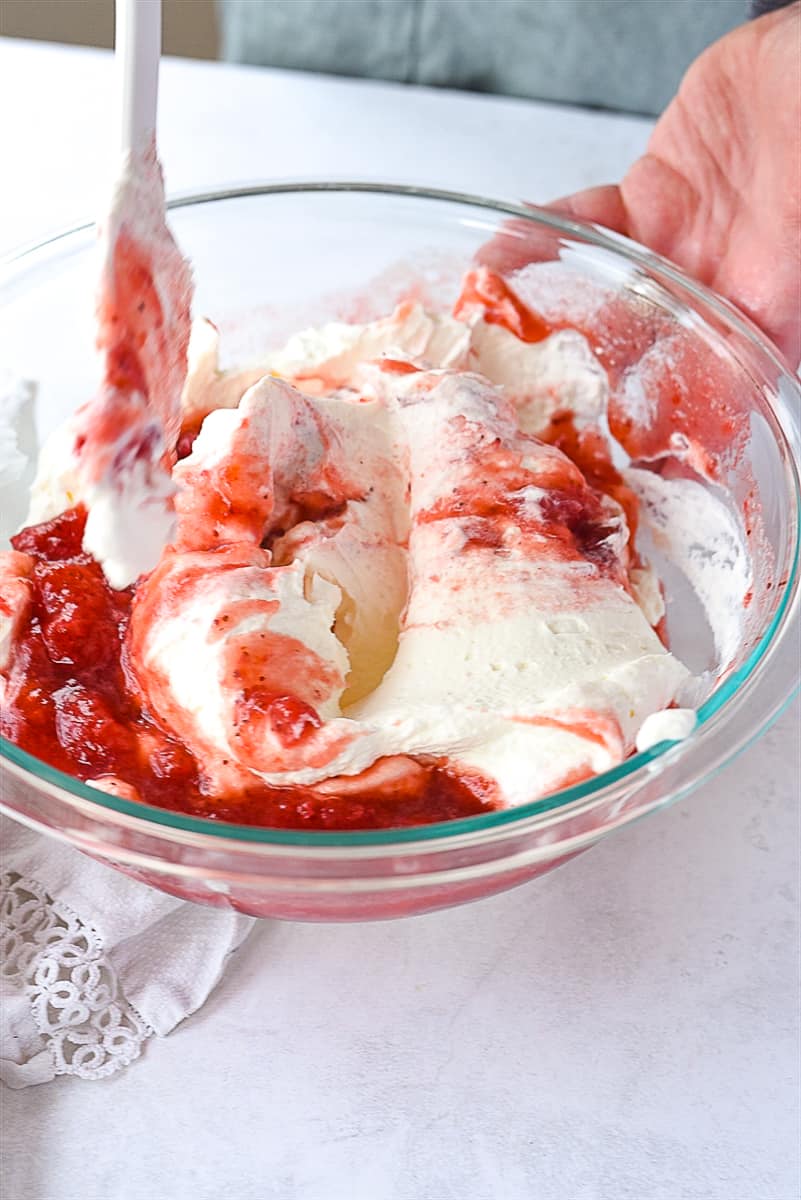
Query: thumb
598, 205
521, 242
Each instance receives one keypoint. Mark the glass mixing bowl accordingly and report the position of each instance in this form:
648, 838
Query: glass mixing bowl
270, 260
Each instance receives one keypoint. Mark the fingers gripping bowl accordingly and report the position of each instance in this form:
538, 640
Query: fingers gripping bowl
270, 261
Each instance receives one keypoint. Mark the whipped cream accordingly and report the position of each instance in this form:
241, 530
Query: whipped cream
559, 374
700, 535
328, 356
673, 725
530, 666
379, 560
15, 599
17, 448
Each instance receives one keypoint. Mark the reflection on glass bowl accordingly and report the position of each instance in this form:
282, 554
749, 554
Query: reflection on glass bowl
270, 260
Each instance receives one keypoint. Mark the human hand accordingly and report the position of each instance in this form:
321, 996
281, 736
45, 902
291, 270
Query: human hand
719, 189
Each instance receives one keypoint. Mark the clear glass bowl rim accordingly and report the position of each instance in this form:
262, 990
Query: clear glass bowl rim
638, 765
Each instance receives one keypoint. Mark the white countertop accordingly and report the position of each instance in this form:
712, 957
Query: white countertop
626, 1027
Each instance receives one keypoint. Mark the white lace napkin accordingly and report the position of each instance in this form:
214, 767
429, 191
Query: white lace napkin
93, 963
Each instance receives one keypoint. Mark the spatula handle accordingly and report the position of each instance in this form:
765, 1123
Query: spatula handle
138, 49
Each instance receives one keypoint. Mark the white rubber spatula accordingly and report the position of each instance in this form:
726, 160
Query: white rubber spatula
137, 50
126, 436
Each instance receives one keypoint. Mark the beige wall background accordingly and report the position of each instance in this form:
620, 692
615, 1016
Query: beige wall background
189, 26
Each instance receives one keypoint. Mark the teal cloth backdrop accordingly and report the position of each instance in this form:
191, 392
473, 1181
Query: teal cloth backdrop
619, 54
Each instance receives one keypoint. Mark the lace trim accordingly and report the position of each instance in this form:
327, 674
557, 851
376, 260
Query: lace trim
50, 953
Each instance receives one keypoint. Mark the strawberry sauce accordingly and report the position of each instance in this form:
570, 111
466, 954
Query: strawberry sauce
73, 703
501, 306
